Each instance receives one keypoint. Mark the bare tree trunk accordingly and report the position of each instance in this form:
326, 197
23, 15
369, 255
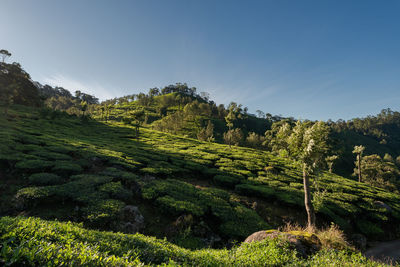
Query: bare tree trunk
307, 199
359, 168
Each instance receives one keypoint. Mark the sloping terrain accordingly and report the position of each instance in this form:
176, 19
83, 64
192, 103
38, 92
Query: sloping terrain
57, 166
33, 242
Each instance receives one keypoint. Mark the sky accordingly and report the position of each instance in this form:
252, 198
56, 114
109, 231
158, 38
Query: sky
318, 60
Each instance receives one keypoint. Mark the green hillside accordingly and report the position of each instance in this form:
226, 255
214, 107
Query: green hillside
76, 167
60, 166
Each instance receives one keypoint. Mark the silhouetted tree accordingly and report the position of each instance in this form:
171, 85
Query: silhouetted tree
4, 54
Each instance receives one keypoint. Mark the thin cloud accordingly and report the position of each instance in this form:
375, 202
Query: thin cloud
73, 85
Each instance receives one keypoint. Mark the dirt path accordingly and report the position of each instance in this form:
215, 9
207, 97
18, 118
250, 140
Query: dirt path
385, 251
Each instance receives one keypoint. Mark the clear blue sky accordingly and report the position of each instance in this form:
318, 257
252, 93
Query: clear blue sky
306, 59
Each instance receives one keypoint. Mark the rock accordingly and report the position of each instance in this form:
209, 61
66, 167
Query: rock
382, 205
258, 236
132, 220
305, 243
359, 241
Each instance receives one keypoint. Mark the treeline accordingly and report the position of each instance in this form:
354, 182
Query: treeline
16, 86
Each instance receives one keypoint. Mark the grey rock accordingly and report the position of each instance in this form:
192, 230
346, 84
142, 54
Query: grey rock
359, 241
132, 219
382, 205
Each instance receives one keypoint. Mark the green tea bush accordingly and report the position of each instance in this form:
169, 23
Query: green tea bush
116, 190
102, 213
255, 190
170, 205
123, 176
226, 181
45, 179
33, 165
51, 155
371, 230
66, 168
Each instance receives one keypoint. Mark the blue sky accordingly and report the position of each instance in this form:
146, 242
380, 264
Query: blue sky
306, 59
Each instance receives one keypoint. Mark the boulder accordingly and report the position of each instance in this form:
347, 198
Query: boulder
382, 205
303, 242
359, 241
132, 220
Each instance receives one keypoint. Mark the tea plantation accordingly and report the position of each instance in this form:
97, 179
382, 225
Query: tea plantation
198, 195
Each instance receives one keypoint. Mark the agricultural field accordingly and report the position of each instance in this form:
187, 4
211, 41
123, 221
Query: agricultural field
197, 194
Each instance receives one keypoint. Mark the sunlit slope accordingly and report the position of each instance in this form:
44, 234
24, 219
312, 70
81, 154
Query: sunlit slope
59, 166
33, 242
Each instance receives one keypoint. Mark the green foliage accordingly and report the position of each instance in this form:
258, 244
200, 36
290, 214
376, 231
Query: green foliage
226, 181
45, 179
116, 190
34, 165
31, 241
66, 168
370, 229
233, 137
103, 212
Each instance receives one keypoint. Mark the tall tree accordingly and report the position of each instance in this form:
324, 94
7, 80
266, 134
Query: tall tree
309, 146
138, 117
330, 160
83, 106
4, 54
358, 150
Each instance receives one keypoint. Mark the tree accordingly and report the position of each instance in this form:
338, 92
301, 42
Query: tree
309, 146
233, 137
154, 91
255, 140
83, 105
330, 160
138, 117
379, 172
207, 133
358, 150
234, 113
260, 114
4, 54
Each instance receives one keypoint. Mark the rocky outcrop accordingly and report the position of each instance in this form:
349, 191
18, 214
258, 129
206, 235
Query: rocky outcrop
304, 243
132, 220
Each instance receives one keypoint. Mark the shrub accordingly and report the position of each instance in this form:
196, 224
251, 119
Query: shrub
51, 155
255, 190
66, 168
178, 207
45, 179
369, 229
34, 165
227, 181
116, 190
103, 212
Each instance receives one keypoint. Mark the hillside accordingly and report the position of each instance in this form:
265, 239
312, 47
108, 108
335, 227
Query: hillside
101, 167
197, 194
109, 167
